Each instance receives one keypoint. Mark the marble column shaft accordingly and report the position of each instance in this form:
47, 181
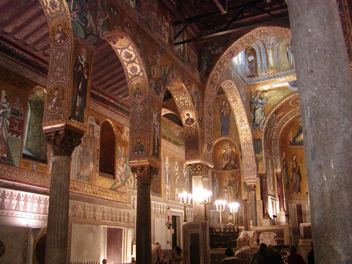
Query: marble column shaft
253, 205
63, 143
144, 176
325, 87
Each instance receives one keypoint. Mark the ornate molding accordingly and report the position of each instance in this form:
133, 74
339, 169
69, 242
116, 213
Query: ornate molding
32, 206
94, 213
25, 176
23, 204
96, 191
41, 179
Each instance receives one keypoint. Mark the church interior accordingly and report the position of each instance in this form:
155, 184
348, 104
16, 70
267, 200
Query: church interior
130, 128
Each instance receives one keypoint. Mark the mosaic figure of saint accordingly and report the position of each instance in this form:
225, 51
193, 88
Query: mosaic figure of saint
60, 36
156, 134
285, 171
189, 120
80, 85
5, 111
87, 155
232, 188
289, 56
280, 191
224, 118
295, 175
258, 103
138, 148
251, 58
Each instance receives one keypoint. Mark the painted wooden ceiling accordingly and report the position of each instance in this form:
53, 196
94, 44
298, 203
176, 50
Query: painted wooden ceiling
24, 37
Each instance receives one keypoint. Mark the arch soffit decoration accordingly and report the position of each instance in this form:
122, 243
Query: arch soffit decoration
59, 78
277, 133
266, 34
138, 86
189, 117
248, 168
57, 13
280, 118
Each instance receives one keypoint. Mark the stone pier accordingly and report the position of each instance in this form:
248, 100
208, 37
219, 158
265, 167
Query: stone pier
325, 87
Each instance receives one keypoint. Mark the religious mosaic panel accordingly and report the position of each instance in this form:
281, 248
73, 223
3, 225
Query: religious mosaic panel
34, 144
175, 175
226, 172
85, 156
13, 111
293, 166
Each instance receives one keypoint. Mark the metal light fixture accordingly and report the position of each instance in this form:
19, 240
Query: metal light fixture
203, 197
234, 206
186, 199
220, 207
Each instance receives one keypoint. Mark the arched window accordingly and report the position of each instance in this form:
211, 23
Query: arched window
35, 147
107, 151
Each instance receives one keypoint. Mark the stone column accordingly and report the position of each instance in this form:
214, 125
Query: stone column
245, 215
144, 175
197, 172
324, 81
63, 143
253, 205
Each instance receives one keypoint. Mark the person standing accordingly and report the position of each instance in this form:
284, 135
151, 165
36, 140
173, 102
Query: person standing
177, 257
311, 256
260, 256
294, 257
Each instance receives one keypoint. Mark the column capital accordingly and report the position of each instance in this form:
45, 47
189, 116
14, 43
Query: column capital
198, 169
64, 141
145, 173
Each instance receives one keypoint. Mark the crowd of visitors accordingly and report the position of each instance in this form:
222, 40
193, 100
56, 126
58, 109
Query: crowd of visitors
269, 255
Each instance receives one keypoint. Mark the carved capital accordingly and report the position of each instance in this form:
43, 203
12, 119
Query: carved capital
144, 174
198, 169
252, 187
63, 142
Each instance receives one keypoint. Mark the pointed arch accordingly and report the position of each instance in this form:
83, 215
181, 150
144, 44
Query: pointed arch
139, 92
248, 168
189, 117
278, 117
216, 77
